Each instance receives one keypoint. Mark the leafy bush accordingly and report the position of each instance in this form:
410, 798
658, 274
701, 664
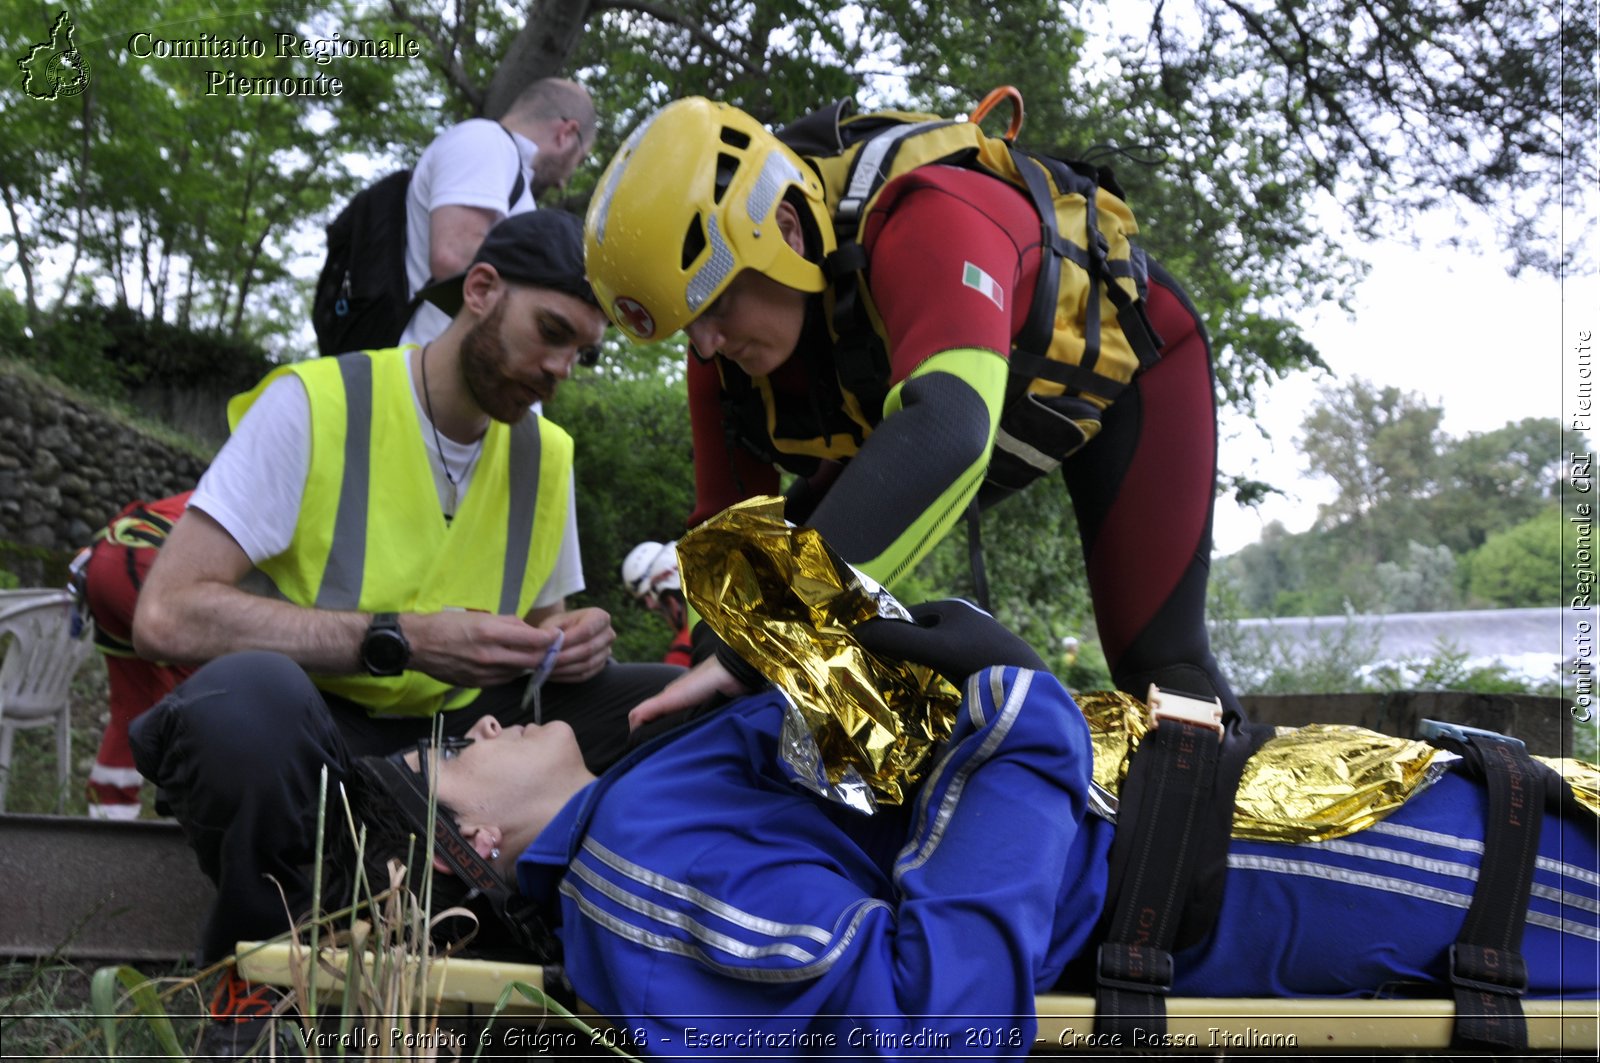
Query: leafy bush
13, 323
72, 347
1522, 565
112, 350
1447, 669
635, 473
1273, 663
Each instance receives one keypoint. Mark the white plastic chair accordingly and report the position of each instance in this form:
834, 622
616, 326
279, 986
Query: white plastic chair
13, 596
41, 657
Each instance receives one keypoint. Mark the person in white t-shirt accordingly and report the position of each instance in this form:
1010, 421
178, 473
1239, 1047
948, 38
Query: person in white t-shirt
386, 540
463, 183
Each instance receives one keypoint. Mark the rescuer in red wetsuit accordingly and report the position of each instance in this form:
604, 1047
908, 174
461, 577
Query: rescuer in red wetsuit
706, 222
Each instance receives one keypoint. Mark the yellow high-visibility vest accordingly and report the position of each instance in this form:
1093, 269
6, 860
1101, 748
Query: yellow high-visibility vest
370, 535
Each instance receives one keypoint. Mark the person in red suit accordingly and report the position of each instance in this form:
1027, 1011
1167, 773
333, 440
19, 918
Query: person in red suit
650, 572
108, 575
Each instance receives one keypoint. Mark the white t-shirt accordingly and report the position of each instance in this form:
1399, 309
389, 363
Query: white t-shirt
254, 486
474, 164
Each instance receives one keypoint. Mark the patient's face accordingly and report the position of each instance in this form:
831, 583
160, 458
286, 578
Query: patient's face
507, 772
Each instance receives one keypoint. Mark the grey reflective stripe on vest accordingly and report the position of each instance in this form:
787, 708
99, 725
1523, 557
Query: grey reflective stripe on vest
347, 555
1025, 452
520, 509
525, 445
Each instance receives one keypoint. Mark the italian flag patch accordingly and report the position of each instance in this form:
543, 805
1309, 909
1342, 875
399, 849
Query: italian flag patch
973, 277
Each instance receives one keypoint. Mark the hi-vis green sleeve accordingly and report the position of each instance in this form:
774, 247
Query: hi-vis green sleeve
920, 468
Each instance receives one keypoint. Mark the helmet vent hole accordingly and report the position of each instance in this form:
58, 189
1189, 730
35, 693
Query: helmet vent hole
694, 242
727, 166
735, 139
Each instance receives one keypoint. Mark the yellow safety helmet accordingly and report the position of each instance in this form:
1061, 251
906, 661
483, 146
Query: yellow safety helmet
687, 202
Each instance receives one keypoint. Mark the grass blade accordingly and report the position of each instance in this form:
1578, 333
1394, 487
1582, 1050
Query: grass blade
141, 991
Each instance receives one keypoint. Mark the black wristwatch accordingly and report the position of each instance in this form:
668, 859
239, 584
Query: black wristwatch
384, 649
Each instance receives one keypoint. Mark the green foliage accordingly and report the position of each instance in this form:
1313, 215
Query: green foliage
71, 347
108, 985
1398, 107
1226, 125
1377, 444
157, 191
1424, 582
1522, 565
1447, 669
1498, 479
1038, 586
13, 322
1257, 662
110, 350
635, 481
47, 1012
1416, 511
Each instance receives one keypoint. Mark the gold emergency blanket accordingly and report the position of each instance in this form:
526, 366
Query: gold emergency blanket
860, 729
1583, 777
1308, 783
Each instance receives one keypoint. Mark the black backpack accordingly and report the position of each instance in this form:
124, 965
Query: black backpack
361, 301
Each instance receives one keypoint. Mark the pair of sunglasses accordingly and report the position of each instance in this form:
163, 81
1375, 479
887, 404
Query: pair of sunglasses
449, 748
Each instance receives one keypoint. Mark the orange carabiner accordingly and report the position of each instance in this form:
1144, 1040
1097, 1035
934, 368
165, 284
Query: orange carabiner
1004, 92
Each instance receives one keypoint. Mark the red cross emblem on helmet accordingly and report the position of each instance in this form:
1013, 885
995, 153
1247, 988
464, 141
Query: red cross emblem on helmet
632, 315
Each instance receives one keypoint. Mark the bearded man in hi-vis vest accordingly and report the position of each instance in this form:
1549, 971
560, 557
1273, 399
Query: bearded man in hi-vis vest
387, 537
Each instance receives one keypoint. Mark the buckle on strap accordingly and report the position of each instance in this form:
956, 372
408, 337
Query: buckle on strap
1488, 969
1430, 729
1184, 708
1135, 968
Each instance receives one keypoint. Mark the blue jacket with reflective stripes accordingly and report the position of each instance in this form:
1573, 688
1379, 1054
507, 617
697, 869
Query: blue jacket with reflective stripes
716, 908
721, 908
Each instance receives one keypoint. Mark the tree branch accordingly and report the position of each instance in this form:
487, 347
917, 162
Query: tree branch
446, 48
673, 17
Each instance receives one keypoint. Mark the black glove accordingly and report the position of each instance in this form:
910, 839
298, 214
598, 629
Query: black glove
953, 637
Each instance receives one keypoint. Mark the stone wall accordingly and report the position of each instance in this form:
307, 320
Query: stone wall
66, 467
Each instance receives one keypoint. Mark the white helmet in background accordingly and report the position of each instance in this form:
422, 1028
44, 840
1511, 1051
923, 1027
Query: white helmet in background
651, 568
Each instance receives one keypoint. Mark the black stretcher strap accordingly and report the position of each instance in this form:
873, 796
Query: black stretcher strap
1487, 974
1159, 844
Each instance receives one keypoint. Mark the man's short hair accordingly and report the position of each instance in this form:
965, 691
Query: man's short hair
555, 99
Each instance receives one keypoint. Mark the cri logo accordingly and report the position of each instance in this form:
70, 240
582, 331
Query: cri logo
632, 315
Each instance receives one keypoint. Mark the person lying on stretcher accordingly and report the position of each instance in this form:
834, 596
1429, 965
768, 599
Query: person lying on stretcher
700, 897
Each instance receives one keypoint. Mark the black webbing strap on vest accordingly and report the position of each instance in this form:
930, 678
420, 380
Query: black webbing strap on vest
980, 571
1487, 974
1164, 804
1035, 335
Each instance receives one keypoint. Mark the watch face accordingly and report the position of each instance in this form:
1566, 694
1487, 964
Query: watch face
385, 652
